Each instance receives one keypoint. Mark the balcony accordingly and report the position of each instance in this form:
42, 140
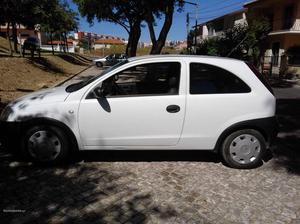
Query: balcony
294, 28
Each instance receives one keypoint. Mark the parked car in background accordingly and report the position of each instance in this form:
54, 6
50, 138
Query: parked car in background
110, 60
165, 102
32, 44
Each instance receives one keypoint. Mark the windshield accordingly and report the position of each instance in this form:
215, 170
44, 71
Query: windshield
76, 86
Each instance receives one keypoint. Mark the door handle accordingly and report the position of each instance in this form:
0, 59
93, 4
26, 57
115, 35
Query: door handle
173, 108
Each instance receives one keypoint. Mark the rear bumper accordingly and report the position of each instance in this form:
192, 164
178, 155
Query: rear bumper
271, 129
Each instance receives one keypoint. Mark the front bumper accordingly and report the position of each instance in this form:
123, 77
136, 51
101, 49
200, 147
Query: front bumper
10, 133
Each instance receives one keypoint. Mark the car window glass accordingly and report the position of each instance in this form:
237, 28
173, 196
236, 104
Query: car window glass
146, 79
209, 79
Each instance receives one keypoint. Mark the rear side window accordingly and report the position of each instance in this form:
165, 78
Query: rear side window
209, 79
260, 77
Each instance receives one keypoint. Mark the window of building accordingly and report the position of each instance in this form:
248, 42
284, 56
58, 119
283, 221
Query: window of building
288, 17
209, 79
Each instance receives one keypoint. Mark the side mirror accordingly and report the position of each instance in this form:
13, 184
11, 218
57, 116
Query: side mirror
99, 92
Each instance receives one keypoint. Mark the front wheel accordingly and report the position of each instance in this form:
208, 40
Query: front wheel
244, 149
45, 144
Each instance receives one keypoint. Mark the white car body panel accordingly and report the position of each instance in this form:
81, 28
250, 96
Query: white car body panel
143, 122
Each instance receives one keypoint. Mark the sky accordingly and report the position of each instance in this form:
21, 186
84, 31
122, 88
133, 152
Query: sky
207, 10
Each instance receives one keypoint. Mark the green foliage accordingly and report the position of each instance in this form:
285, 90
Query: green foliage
57, 17
52, 16
84, 44
242, 41
210, 47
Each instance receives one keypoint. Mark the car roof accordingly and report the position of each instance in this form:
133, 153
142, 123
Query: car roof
179, 56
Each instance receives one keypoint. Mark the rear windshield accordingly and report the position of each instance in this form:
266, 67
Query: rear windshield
260, 77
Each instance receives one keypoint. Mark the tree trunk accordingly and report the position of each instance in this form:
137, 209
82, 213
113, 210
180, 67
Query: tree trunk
8, 39
129, 42
158, 45
15, 38
61, 35
66, 41
51, 39
133, 40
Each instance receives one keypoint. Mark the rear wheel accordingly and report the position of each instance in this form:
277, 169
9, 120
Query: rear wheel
99, 64
45, 144
244, 149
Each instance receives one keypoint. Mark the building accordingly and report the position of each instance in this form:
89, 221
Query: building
107, 43
98, 41
23, 33
216, 27
284, 16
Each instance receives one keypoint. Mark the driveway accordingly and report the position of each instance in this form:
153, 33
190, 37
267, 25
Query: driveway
159, 186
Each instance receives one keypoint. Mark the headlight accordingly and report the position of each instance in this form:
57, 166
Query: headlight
5, 113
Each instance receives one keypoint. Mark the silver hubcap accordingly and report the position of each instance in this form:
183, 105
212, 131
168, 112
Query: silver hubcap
245, 149
44, 145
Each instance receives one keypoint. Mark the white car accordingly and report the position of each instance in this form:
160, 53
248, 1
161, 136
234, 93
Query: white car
109, 60
166, 102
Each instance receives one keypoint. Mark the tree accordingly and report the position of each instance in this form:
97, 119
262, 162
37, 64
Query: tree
156, 9
129, 14
67, 23
16, 12
242, 41
57, 18
53, 15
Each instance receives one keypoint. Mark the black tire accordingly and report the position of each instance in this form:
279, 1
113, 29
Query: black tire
99, 64
55, 135
235, 161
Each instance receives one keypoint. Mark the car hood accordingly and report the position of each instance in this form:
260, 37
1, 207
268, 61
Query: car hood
52, 95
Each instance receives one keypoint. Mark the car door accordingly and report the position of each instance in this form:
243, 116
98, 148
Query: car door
144, 106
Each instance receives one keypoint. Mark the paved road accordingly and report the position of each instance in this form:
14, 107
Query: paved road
88, 73
158, 187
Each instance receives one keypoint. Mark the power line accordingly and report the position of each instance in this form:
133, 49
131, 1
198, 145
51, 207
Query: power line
216, 14
224, 1
218, 9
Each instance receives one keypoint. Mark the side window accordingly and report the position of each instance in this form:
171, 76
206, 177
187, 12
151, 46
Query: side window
209, 79
147, 79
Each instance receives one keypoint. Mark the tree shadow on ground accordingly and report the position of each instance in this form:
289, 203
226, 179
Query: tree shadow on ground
2, 105
77, 193
73, 59
281, 83
45, 64
286, 149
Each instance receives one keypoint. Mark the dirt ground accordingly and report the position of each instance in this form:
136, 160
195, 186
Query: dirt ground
19, 76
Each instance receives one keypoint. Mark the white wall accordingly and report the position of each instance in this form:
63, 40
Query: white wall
57, 48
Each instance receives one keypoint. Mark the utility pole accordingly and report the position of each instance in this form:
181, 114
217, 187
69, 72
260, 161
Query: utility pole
196, 26
188, 20
187, 30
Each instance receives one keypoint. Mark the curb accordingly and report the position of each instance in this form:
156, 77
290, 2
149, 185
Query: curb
73, 76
